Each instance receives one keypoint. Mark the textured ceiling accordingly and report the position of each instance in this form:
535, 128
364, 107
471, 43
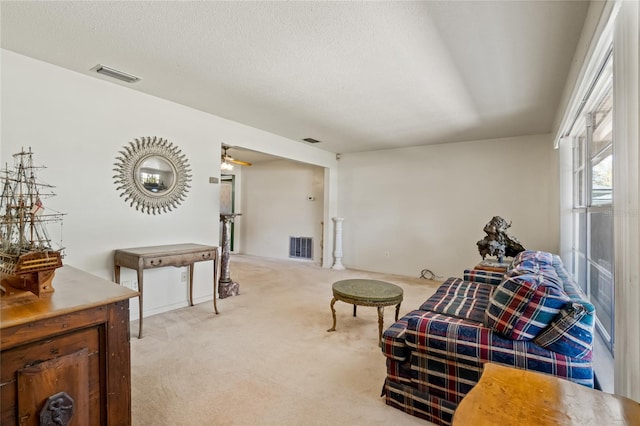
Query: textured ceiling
356, 75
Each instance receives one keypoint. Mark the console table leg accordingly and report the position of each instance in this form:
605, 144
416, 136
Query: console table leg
140, 287
215, 281
191, 284
116, 273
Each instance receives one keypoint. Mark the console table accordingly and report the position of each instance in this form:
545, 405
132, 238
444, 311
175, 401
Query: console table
177, 255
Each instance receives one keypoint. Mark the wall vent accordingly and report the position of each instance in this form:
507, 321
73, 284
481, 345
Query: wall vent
114, 73
301, 248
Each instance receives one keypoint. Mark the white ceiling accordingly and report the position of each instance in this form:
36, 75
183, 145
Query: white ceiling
356, 75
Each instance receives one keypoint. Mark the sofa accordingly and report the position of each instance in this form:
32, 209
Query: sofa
532, 317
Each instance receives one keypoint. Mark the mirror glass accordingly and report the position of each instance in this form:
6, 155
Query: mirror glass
155, 174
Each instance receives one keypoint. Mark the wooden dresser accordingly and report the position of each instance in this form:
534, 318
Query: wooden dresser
67, 352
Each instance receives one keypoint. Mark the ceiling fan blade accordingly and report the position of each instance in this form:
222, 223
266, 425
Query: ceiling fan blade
240, 162
230, 159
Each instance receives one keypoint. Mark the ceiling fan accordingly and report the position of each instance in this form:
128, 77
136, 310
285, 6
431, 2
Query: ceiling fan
226, 158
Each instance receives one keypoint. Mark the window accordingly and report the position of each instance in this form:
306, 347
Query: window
592, 201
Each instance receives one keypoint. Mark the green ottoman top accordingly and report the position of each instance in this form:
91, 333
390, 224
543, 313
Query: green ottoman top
365, 290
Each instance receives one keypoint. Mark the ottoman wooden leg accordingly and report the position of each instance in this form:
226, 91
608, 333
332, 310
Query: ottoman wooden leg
380, 324
333, 313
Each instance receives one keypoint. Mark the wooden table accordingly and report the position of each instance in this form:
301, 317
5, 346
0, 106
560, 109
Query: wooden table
141, 258
509, 396
365, 292
74, 340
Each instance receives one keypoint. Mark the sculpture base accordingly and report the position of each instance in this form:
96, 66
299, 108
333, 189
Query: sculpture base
228, 288
496, 263
493, 265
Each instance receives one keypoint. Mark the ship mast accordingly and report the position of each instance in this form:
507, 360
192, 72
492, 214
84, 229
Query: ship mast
22, 218
32, 191
20, 178
7, 226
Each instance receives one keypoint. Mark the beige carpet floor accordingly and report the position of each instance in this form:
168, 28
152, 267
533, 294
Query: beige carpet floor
268, 359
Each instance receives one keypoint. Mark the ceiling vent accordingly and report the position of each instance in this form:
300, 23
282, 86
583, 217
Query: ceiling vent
113, 73
311, 140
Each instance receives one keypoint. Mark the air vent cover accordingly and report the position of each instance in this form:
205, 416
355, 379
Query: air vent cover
114, 73
311, 140
301, 248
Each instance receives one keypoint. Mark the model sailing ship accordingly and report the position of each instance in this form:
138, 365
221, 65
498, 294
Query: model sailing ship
27, 258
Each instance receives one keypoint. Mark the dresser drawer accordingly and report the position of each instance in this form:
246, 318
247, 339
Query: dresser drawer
69, 362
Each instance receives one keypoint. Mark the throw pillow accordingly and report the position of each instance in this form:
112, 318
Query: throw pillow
571, 332
522, 306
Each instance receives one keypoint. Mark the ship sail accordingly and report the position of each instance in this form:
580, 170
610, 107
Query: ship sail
27, 255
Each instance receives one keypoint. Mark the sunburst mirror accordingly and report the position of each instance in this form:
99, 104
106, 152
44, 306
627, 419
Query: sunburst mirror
152, 174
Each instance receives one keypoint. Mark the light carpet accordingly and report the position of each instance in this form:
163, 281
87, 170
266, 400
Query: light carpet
267, 358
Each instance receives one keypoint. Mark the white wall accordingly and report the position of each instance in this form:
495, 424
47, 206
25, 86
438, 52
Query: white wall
275, 207
76, 124
426, 206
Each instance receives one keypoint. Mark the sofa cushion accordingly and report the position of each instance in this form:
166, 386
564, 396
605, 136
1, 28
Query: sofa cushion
571, 332
461, 299
523, 305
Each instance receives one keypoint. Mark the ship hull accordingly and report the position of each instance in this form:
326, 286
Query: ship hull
31, 272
